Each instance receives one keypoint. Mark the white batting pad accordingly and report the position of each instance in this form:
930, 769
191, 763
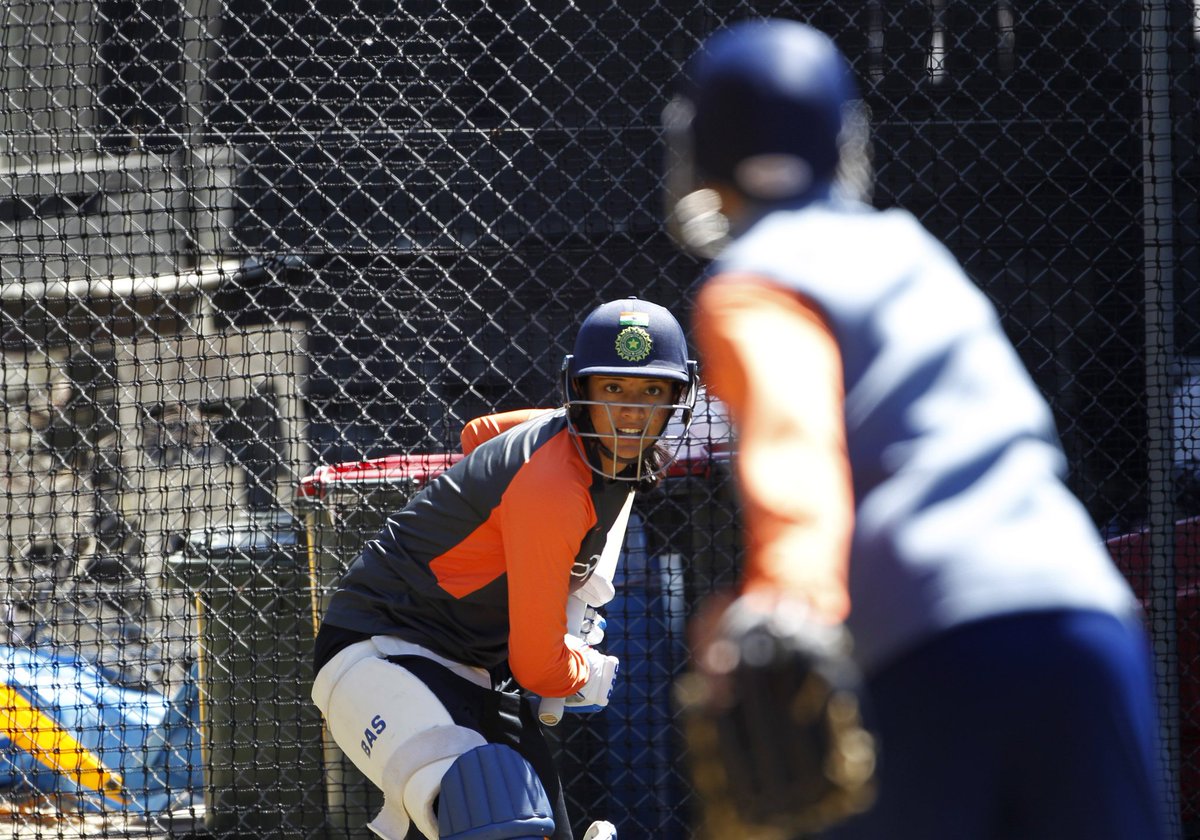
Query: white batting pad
395, 730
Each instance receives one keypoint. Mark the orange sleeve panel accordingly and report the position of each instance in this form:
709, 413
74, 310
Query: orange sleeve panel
545, 514
483, 429
474, 562
772, 358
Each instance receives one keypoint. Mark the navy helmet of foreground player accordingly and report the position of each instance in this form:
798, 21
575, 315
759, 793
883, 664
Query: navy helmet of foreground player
769, 108
630, 337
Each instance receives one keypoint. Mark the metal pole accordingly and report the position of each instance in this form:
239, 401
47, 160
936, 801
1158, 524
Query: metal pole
200, 28
1158, 241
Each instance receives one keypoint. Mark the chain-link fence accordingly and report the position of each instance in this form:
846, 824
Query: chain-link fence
244, 242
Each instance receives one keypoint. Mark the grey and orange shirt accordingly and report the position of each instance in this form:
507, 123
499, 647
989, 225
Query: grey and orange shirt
478, 566
897, 465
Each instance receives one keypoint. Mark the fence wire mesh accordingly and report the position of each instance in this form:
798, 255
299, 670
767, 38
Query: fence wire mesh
242, 241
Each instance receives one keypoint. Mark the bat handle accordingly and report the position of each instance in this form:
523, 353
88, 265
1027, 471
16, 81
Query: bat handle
550, 711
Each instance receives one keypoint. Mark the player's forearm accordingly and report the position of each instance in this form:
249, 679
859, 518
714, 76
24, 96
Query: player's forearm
775, 364
553, 671
538, 591
799, 551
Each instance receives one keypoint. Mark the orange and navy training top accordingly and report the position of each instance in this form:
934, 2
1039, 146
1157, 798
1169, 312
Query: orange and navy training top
478, 566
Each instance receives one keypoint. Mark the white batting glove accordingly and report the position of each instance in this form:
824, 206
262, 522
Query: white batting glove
593, 627
596, 590
601, 830
602, 676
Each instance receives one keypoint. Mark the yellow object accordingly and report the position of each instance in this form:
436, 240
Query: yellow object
54, 747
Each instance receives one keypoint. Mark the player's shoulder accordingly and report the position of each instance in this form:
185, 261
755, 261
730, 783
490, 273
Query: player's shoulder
819, 245
538, 446
552, 450
483, 429
551, 477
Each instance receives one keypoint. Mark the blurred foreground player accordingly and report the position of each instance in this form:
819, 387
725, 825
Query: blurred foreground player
903, 489
460, 602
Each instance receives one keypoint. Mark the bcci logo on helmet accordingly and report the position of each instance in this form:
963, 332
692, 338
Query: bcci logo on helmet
634, 344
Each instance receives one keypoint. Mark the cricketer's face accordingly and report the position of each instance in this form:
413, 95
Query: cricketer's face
628, 413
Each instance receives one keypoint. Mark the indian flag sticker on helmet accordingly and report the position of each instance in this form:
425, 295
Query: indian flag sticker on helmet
635, 319
633, 344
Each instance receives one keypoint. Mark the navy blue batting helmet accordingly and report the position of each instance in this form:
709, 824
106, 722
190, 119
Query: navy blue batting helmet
762, 107
631, 337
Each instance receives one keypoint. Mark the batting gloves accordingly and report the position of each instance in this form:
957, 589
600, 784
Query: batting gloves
594, 625
602, 676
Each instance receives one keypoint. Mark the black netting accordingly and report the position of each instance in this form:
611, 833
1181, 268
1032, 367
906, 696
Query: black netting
241, 240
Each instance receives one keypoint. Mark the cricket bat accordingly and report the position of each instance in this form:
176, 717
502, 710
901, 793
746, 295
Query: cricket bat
551, 710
